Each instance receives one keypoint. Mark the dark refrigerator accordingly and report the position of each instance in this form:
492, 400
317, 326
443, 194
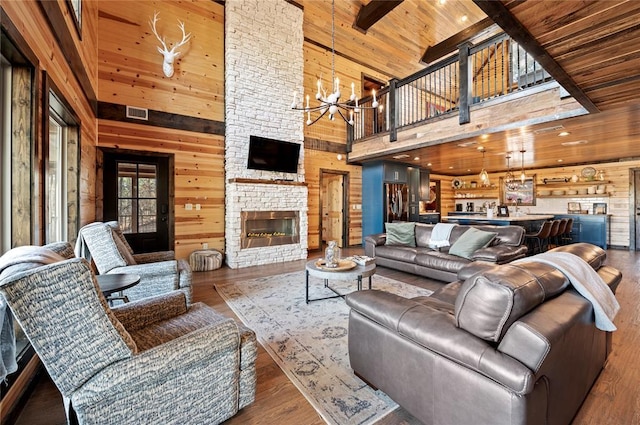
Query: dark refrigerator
397, 199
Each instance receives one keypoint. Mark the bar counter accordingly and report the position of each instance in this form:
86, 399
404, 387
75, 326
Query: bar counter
531, 222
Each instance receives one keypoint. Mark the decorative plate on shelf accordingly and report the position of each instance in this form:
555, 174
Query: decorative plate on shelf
588, 173
456, 183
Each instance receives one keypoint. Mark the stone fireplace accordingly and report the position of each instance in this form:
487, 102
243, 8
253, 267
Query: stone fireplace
264, 64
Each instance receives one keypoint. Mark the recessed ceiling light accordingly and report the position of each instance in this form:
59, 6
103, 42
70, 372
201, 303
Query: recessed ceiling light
484, 136
451, 167
464, 18
564, 133
575, 142
429, 165
401, 156
468, 170
443, 1
416, 158
467, 144
560, 160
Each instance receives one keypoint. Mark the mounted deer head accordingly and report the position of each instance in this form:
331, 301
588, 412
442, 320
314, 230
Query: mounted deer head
169, 55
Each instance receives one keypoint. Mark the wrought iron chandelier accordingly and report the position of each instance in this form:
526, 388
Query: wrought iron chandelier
330, 103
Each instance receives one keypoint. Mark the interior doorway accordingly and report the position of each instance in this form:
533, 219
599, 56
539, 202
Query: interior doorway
333, 212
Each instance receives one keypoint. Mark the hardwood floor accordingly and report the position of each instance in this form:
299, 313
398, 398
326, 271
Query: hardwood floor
614, 399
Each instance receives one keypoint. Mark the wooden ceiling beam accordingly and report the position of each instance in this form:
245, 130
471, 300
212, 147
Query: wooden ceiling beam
371, 13
499, 14
450, 45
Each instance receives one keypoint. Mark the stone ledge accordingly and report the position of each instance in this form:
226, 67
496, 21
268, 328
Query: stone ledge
265, 181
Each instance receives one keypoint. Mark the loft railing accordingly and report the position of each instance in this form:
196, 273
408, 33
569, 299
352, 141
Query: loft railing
494, 68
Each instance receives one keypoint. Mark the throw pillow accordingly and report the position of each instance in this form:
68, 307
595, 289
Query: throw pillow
470, 241
401, 234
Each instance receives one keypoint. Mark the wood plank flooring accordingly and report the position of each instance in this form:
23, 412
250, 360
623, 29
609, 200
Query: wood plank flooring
614, 399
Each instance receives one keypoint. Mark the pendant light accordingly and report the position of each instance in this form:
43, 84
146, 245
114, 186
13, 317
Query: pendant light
509, 180
484, 176
523, 176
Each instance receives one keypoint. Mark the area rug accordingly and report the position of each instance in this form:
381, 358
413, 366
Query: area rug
309, 341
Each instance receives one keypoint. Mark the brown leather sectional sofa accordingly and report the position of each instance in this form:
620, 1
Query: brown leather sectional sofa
438, 263
533, 363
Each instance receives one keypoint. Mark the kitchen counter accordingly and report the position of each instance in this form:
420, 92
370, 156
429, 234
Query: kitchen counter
482, 218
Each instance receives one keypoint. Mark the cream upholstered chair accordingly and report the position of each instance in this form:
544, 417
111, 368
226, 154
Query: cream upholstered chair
157, 360
105, 245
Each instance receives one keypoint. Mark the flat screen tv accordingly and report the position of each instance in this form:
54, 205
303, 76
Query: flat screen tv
273, 155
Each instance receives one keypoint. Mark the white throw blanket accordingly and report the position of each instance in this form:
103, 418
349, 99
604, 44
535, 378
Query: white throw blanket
587, 282
440, 235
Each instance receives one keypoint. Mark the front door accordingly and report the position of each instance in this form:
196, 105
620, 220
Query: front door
137, 195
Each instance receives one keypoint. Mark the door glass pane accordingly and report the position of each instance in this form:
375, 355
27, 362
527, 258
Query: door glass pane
147, 215
137, 191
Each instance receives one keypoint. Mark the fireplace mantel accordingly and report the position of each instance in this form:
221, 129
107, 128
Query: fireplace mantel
265, 181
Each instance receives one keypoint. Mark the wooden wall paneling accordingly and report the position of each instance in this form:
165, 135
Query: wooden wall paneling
21, 127
32, 25
199, 177
130, 67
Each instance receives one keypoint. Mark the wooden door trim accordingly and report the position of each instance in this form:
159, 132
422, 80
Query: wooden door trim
632, 208
345, 204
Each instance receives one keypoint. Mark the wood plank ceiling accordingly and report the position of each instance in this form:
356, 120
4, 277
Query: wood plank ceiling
596, 43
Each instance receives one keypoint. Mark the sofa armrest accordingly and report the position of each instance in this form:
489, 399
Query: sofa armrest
371, 241
433, 328
500, 254
141, 313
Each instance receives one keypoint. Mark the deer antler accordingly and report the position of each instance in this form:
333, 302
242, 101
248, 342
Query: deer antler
169, 55
153, 28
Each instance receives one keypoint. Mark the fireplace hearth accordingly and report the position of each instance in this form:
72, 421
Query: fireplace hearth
269, 228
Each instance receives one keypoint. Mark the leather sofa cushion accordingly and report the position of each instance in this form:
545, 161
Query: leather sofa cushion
441, 261
488, 303
398, 253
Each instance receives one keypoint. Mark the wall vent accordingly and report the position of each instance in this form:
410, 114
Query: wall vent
137, 113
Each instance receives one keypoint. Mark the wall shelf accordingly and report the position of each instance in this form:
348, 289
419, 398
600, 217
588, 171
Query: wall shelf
570, 183
602, 195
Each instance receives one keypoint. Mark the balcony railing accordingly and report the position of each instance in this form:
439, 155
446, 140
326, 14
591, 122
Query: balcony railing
494, 68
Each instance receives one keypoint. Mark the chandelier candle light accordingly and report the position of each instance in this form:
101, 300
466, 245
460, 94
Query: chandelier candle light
509, 180
331, 103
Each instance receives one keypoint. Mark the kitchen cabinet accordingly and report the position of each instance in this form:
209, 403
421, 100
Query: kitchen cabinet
395, 172
424, 186
590, 228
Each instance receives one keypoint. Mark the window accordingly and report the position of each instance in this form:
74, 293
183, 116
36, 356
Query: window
61, 174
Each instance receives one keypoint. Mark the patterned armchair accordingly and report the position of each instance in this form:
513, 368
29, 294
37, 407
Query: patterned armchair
157, 360
105, 246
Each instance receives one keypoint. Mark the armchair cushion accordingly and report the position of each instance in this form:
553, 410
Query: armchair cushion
101, 242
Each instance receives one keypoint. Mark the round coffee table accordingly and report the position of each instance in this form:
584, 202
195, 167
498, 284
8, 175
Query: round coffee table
355, 273
116, 283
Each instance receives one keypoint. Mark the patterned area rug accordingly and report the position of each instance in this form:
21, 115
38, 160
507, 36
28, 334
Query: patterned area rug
309, 342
